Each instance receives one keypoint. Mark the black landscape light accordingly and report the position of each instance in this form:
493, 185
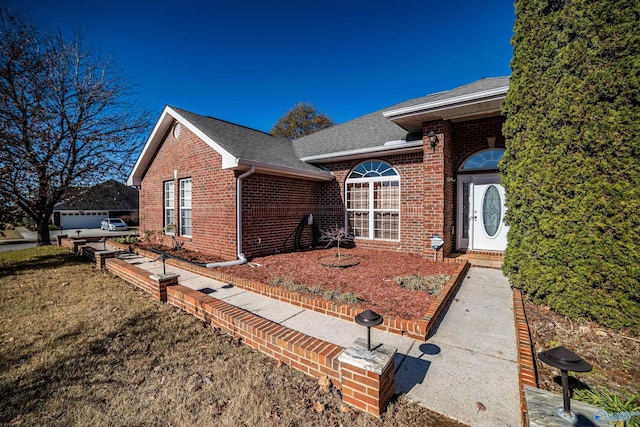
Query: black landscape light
369, 319
163, 257
61, 227
104, 243
78, 233
565, 360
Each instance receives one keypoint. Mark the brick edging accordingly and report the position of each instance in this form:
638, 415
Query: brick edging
416, 329
526, 363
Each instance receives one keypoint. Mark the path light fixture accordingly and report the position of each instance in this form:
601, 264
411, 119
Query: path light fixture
104, 243
163, 257
436, 244
565, 360
369, 319
61, 227
78, 233
433, 140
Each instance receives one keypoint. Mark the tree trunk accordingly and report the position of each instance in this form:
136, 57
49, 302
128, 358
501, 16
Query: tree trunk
43, 231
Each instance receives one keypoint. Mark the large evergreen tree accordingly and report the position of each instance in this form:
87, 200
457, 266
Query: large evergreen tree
572, 163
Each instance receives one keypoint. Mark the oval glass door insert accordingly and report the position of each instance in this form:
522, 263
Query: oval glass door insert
491, 211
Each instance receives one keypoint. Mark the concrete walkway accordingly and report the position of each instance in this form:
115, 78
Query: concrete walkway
467, 370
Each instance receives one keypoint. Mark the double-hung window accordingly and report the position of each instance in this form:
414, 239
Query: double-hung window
373, 201
185, 207
169, 207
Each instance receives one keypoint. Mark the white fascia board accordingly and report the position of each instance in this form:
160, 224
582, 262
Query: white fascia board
227, 158
285, 171
444, 104
362, 152
157, 135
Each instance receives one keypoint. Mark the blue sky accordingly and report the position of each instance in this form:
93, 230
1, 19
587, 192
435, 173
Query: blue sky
249, 62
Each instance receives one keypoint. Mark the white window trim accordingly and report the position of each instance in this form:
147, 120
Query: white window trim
371, 210
167, 227
184, 209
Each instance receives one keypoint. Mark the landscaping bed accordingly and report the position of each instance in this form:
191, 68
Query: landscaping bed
614, 355
81, 347
372, 280
369, 280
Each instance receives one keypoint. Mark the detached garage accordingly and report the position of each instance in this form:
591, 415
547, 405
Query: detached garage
86, 207
79, 219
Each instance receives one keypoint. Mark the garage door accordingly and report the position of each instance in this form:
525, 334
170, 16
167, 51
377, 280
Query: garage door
82, 220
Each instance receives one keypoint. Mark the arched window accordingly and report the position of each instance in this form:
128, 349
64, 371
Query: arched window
373, 201
484, 160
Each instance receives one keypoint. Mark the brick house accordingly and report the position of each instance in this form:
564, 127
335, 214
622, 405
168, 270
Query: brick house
394, 177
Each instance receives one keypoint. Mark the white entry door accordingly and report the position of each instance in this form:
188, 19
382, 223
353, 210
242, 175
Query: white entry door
481, 212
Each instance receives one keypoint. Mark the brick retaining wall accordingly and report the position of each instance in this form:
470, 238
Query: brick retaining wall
362, 388
416, 329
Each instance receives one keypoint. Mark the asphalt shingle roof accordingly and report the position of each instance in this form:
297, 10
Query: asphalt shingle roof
248, 144
373, 130
110, 195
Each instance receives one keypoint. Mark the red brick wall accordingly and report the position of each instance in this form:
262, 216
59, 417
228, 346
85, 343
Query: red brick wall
410, 169
272, 208
214, 194
457, 141
471, 137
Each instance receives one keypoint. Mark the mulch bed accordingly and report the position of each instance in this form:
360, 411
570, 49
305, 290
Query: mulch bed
372, 279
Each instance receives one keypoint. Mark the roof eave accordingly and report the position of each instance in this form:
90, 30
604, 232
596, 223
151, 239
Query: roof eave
469, 106
361, 153
270, 169
159, 133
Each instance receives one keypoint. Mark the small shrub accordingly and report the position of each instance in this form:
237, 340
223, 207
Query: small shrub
288, 283
623, 412
126, 239
333, 235
349, 298
433, 285
53, 227
330, 295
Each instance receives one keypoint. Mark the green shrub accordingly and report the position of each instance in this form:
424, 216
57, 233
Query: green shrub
126, 239
433, 285
571, 170
349, 298
624, 412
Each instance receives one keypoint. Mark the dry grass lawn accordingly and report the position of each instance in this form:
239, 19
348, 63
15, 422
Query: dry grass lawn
81, 347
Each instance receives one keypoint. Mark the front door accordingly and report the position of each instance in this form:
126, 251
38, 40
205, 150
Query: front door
481, 213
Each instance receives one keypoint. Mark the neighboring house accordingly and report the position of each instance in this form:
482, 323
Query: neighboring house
393, 178
86, 207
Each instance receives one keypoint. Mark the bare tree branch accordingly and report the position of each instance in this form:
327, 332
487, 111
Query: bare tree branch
65, 118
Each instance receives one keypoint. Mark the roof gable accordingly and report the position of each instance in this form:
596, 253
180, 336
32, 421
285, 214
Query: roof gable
240, 147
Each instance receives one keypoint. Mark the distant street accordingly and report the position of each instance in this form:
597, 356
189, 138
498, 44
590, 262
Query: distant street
31, 237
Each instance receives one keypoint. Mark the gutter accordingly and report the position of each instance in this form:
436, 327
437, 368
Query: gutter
447, 103
391, 147
242, 259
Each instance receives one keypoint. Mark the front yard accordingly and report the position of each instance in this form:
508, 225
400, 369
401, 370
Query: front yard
81, 347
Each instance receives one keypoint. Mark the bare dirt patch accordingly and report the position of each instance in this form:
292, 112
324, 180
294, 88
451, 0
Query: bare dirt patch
372, 279
614, 355
81, 347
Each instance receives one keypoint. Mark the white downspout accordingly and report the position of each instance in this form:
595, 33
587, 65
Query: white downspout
241, 258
